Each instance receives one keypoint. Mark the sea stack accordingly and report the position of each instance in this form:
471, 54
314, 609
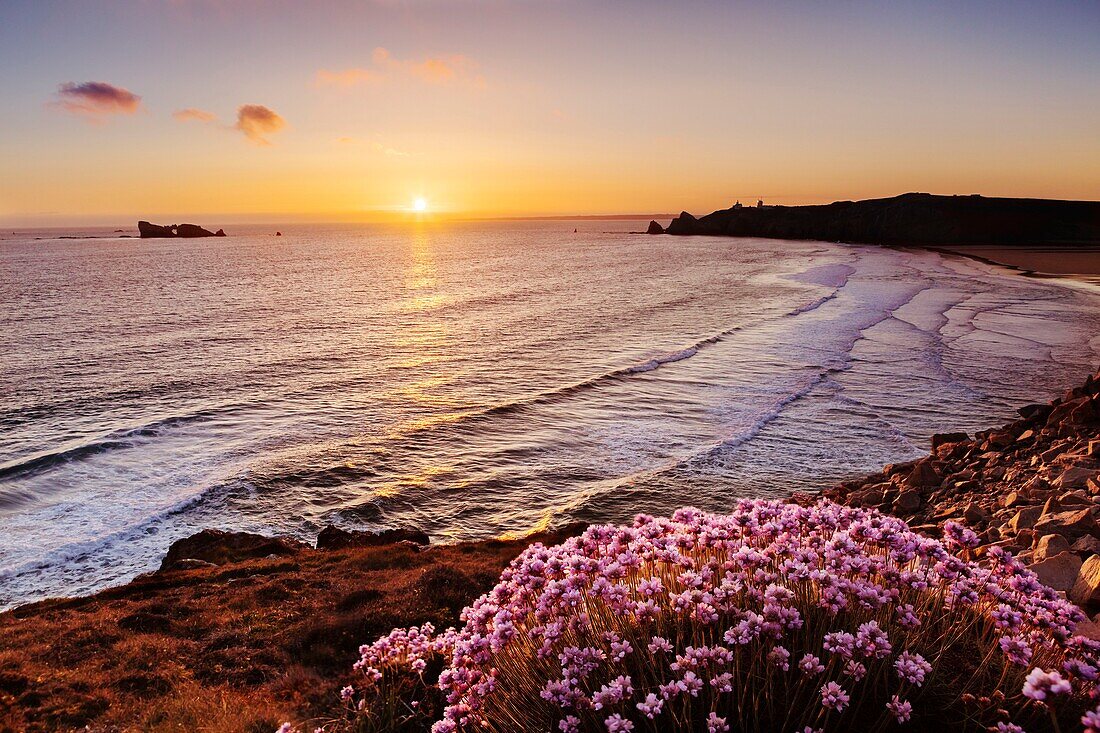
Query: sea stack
181, 231
655, 228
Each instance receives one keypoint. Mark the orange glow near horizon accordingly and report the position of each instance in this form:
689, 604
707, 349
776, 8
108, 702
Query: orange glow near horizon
601, 112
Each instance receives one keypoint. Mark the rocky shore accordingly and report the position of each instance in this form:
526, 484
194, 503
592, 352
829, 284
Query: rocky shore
1031, 486
238, 632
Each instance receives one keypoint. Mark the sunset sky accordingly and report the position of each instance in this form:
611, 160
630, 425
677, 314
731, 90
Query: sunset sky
267, 110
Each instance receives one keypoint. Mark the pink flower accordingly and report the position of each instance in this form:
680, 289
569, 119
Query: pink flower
833, 697
651, 706
618, 724
912, 668
1039, 684
900, 709
811, 665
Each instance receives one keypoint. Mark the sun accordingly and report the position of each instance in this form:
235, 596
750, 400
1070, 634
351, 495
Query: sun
420, 204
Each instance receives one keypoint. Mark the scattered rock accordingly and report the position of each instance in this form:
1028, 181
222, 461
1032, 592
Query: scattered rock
1050, 545
923, 475
907, 502
975, 514
1059, 572
1025, 518
1029, 412
1087, 545
1075, 477
1070, 524
218, 548
1086, 589
868, 498
944, 438
333, 538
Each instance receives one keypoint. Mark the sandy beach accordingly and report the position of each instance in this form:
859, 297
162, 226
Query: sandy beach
1079, 261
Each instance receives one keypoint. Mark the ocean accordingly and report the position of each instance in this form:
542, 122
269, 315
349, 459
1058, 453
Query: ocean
477, 379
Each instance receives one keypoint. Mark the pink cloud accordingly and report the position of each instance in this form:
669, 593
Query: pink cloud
197, 115
456, 70
95, 100
257, 121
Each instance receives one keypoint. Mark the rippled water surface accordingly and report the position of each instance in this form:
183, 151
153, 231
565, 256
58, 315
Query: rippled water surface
477, 379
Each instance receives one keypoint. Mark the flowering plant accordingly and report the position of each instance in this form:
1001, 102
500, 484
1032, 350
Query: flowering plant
774, 617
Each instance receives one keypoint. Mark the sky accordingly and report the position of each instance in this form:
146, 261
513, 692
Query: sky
266, 110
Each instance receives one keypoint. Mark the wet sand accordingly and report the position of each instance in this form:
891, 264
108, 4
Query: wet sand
1081, 262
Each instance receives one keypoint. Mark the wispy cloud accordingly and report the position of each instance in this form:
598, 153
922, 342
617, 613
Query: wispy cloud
452, 70
257, 121
193, 114
95, 101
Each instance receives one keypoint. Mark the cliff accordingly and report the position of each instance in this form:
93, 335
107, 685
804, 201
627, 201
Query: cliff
912, 218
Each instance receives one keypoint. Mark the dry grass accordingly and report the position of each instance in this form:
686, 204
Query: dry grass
240, 647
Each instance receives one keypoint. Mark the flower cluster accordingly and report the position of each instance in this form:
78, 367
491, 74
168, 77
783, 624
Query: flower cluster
775, 616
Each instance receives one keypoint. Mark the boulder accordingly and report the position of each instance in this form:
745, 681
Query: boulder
1076, 498
907, 502
219, 548
975, 514
869, 497
1050, 545
1088, 629
1084, 413
1037, 411
943, 438
1050, 454
334, 538
1087, 545
1071, 524
1058, 572
655, 228
1025, 518
894, 468
1075, 477
1086, 589
923, 475
1062, 412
